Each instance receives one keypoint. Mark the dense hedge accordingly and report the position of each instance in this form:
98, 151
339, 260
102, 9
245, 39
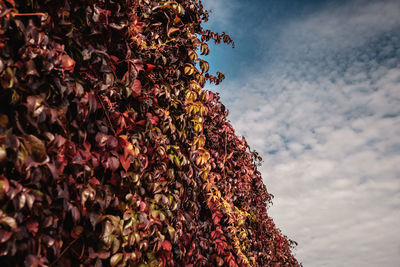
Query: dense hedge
111, 153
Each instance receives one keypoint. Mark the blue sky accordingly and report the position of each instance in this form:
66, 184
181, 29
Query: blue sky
314, 86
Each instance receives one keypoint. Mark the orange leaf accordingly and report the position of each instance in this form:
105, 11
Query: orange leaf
67, 63
125, 162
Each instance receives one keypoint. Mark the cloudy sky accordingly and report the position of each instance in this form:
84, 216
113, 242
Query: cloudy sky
314, 86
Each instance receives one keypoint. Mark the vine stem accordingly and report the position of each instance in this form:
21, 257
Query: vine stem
105, 112
63, 252
226, 141
27, 14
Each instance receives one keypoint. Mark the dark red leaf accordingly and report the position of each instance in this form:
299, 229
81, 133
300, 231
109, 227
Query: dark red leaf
32, 226
94, 181
115, 179
112, 142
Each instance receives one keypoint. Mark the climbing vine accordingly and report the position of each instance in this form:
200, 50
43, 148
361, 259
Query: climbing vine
112, 152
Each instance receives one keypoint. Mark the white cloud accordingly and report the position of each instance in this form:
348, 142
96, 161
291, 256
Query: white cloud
221, 12
341, 26
327, 123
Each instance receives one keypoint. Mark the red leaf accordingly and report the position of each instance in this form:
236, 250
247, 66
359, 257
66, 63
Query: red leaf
210, 96
114, 58
137, 64
136, 88
115, 179
32, 226
153, 119
4, 236
216, 217
113, 163
166, 245
94, 181
141, 122
142, 206
150, 67
214, 234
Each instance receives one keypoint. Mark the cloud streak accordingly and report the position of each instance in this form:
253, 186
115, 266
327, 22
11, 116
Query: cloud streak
325, 115
342, 27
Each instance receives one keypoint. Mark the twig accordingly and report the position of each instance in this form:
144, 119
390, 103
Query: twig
27, 14
64, 251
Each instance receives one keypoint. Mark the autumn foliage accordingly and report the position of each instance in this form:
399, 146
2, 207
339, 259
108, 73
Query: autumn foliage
111, 151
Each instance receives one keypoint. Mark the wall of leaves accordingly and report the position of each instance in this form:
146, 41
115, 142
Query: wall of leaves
111, 151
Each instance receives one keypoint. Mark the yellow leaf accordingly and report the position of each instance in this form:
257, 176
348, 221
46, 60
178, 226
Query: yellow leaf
204, 66
204, 49
115, 259
189, 69
192, 55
